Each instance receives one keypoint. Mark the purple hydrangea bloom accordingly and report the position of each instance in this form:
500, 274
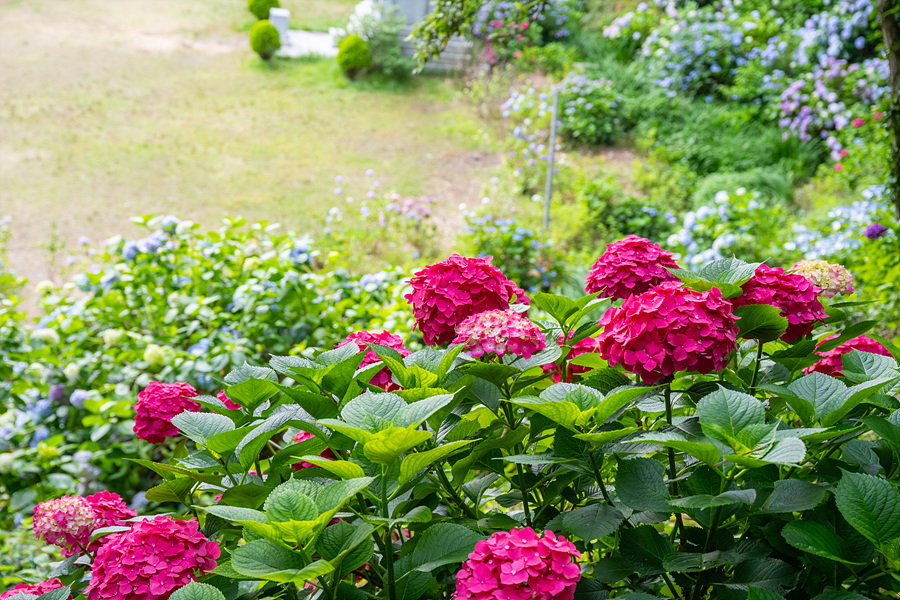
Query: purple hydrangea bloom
875, 231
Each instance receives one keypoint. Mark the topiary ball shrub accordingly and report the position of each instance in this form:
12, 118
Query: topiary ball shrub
260, 8
264, 39
353, 55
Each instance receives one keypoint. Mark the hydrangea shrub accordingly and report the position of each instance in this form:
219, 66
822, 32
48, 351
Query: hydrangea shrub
683, 441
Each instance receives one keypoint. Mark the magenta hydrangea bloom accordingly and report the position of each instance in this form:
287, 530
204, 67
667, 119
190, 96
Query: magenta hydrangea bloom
151, 560
110, 511
500, 332
66, 522
156, 406
228, 402
301, 437
520, 565
629, 267
831, 362
36, 589
446, 293
362, 339
671, 328
832, 279
793, 295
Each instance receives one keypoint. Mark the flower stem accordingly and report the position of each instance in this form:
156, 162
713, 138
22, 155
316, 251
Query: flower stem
388, 546
759, 349
673, 469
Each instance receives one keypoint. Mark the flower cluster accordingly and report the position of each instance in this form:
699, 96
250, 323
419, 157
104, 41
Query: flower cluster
831, 362
520, 565
793, 295
529, 113
839, 32
66, 522
35, 589
446, 293
156, 406
228, 402
668, 329
590, 110
629, 267
589, 345
362, 339
151, 560
500, 332
832, 279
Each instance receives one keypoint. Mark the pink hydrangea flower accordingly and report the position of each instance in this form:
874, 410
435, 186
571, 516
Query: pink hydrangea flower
362, 339
446, 293
151, 560
831, 362
520, 565
301, 437
830, 278
630, 267
794, 295
66, 522
500, 332
228, 402
671, 328
156, 406
589, 345
36, 589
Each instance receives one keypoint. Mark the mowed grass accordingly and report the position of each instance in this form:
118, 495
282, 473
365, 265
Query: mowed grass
114, 108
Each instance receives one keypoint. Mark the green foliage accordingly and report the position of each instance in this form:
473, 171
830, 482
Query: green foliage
264, 39
770, 186
613, 213
381, 26
260, 8
555, 59
353, 55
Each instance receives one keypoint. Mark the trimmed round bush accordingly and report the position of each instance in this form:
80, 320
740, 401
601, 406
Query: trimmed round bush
353, 55
264, 39
260, 8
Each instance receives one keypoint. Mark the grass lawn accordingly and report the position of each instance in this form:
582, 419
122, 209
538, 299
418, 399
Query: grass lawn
114, 108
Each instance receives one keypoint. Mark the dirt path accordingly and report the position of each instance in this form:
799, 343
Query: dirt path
115, 108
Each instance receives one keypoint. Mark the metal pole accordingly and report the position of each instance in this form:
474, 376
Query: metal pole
549, 190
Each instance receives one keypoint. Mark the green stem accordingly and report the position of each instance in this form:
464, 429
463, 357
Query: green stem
388, 545
519, 449
457, 499
759, 349
673, 468
599, 477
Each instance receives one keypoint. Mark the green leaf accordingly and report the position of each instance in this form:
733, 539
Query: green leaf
58, 594
417, 412
389, 444
252, 392
708, 501
104, 531
793, 495
494, 373
816, 538
173, 490
765, 573
236, 514
839, 595
616, 400
761, 322
413, 463
223, 444
864, 366
253, 443
592, 522
316, 405
197, 591
725, 413
761, 594
824, 392
559, 308
287, 504
871, 505
600, 438
246, 372
645, 549
561, 413
201, 426
347, 547
640, 485
443, 544
263, 559
333, 495
344, 469
372, 412
703, 451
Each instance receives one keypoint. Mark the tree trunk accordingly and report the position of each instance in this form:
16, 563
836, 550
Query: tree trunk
889, 15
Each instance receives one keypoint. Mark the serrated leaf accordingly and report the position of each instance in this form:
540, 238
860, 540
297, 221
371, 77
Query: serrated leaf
640, 485
173, 490
816, 538
825, 393
372, 412
761, 322
413, 463
600, 438
708, 501
725, 413
703, 451
197, 591
793, 495
58, 594
344, 469
765, 573
287, 504
199, 427
246, 372
592, 522
870, 504
252, 392
443, 544
645, 549
417, 412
